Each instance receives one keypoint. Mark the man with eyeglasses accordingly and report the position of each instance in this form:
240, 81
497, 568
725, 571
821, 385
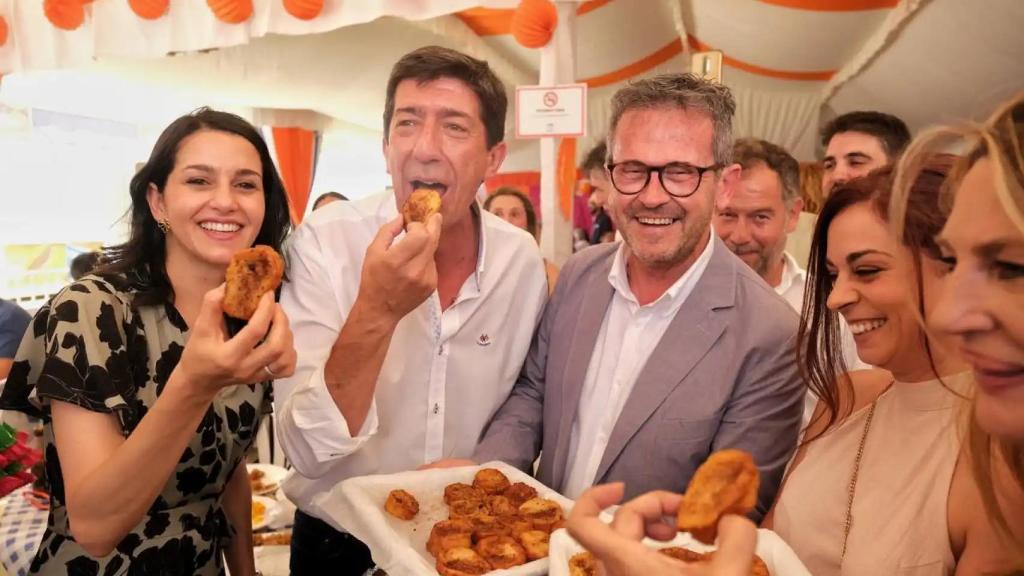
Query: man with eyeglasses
659, 350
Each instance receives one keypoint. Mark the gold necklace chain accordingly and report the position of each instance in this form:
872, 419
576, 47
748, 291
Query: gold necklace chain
856, 472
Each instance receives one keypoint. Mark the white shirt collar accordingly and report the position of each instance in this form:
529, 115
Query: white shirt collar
792, 273
673, 298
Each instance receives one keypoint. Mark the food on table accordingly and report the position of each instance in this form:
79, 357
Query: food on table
726, 483
402, 505
421, 205
491, 481
259, 512
582, 564
258, 484
252, 273
272, 539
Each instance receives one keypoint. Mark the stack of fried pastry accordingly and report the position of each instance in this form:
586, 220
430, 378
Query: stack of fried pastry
492, 524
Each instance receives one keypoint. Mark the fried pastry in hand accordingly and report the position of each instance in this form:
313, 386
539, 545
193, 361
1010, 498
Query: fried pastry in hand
402, 505
448, 534
421, 205
535, 542
726, 483
462, 561
543, 513
252, 273
491, 481
460, 491
519, 493
501, 552
582, 564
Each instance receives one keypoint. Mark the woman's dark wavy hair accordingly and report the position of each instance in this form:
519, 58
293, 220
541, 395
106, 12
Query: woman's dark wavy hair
142, 258
820, 353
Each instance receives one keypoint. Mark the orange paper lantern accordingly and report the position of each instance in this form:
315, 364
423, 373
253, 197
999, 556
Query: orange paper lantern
534, 22
304, 9
3, 31
231, 11
64, 14
149, 9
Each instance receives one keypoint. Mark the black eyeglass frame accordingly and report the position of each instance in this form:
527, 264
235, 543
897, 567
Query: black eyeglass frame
610, 168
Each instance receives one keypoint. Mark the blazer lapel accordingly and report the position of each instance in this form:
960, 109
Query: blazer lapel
597, 297
693, 331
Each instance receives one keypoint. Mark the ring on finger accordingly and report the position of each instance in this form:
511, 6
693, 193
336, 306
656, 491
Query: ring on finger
269, 371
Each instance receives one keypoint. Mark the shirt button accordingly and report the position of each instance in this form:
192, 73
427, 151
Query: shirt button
437, 408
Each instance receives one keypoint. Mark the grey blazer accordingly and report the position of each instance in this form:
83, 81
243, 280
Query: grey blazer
724, 375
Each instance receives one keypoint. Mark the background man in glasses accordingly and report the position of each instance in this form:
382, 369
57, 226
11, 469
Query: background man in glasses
659, 350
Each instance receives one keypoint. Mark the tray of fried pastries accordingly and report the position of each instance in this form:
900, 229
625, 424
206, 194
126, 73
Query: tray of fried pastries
489, 519
726, 483
773, 556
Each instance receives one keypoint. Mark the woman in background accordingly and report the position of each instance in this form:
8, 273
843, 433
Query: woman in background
514, 207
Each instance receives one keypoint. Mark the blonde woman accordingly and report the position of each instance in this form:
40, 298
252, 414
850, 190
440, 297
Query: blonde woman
981, 302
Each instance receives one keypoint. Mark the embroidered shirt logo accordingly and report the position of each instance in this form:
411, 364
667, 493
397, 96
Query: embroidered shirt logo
484, 340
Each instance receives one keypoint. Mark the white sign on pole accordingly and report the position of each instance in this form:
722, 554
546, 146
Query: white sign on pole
556, 111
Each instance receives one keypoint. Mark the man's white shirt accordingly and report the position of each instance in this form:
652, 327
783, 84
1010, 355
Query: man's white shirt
444, 375
628, 336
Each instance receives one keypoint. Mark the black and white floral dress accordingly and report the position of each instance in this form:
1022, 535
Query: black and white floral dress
91, 347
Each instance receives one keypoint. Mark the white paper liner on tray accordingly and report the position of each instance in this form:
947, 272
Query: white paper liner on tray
777, 555
399, 547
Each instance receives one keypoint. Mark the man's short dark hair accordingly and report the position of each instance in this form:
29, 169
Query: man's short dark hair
749, 152
595, 158
890, 130
326, 195
433, 62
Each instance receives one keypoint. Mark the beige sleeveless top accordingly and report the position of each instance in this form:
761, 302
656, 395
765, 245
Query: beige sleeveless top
899, 509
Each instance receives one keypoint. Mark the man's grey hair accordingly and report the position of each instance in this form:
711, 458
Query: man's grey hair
685, 92
749, 152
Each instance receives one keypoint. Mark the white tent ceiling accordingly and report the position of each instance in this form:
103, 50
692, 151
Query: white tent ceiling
790, 67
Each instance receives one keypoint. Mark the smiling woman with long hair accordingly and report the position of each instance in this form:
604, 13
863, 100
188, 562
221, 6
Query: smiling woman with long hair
149, 402
879, 485
981, 304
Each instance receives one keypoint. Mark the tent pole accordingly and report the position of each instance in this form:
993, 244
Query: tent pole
557, 66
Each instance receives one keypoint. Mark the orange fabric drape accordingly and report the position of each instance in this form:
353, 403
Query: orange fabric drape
295, 150
566, 175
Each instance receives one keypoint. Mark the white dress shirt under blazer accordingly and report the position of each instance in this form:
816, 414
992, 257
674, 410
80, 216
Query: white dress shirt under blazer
444, 375
628, 335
